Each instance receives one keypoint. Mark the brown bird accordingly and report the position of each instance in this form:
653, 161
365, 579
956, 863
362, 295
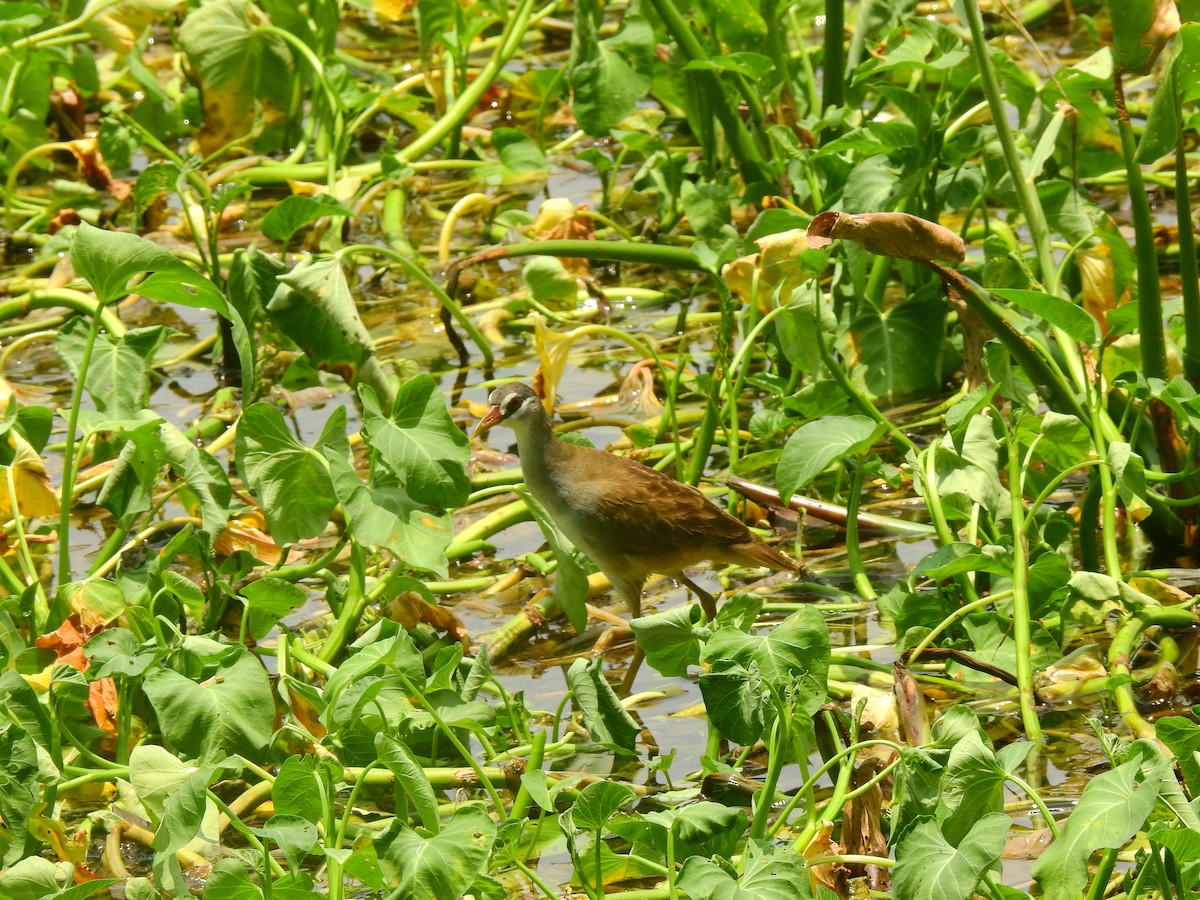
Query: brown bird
629, 519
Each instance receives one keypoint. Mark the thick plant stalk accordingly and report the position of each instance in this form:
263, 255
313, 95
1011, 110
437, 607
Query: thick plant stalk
833, 88
1027, 199
749, 159
1150, 313
1189, 277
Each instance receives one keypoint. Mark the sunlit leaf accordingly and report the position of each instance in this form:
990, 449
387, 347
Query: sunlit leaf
441, 866
1058, 312
669, 640
108, 260
734, 697
291, 214
119, 25
604, 75
267, 601
816, 445
118, 374
419, 442
1141, 29
292, 482
769, 873
597, 802
603, 715
928, 867
232, 712
1111, 810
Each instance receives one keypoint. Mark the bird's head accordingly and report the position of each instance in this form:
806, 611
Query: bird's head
513, 404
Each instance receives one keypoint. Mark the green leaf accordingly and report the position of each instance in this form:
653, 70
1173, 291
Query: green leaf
233, 711
292, 213
958, 558
1111, 810
229, 881
1182, 738
297, 789
606, 720
313, 306
18, 794
381, 514
769, 873
598, 802
183, 812
441, 866
107, 260
972, 787
548, 280
1140, 27
410, 777
129, 489
570, 581
293, 835
419, 442
670, 642
605, 82
735, 699
816, 445
519, 158
930, 868
1064, 314
900, 349
796, 648
267, 601
251, 284
118, 375
231, 55
291, 482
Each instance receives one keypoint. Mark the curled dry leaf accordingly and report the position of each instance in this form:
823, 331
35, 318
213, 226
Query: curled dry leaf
889, 234
411, 609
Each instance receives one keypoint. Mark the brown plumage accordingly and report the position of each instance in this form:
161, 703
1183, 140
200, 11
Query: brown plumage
629, 519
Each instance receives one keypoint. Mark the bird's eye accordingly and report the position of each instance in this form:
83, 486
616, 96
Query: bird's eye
511, 405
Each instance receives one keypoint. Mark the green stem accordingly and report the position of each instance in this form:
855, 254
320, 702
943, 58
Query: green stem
1150, 312
69, 462
1022, 639
448, 303
1027, 199
1189, 277
853, 548
750, 161
833, 65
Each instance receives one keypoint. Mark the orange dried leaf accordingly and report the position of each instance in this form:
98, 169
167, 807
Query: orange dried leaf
102, 701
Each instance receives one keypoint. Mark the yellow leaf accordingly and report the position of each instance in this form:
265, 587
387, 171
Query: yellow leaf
34, 494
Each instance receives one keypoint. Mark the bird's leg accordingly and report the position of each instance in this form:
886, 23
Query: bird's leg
635, 663
708, 603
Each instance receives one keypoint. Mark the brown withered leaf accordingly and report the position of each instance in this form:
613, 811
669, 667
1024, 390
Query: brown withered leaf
894, 234
411, 609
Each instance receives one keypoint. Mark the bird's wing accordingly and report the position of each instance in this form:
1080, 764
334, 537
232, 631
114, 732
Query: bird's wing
643, 512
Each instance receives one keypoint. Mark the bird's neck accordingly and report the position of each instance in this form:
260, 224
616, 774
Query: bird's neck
535, 441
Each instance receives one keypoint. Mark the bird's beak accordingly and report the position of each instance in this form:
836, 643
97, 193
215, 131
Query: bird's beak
490, 418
